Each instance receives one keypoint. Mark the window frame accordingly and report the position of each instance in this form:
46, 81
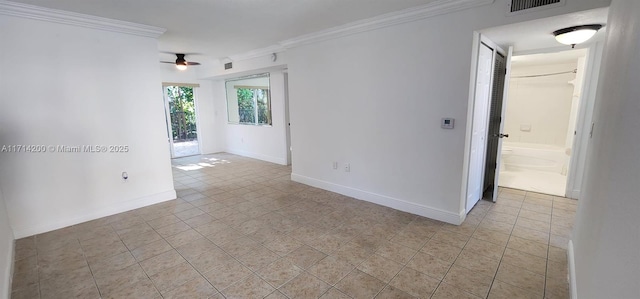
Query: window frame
267, 90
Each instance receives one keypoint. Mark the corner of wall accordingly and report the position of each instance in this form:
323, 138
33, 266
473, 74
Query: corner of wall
573, 286
10, 269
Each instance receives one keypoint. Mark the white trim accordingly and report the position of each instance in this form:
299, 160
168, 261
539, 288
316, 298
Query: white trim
272, 159
573, 285
195, 106
76, 19
574, 194
257, 53
94, 213
586, 108
475, 52
435, 8
383, 200
6, 285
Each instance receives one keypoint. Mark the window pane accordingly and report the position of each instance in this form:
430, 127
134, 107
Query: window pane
248, 100
246, 108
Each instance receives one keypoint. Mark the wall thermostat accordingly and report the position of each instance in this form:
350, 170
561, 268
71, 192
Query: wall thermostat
447, 123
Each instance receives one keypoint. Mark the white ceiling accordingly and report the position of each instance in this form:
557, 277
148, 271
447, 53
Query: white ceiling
569, 56
538, 34
220, 28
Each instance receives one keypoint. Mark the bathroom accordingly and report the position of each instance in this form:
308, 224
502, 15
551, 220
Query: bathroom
541, 114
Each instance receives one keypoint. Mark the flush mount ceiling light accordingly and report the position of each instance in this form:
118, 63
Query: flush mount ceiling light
576, 34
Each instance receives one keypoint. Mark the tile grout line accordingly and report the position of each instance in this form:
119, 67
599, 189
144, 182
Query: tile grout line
197, 184
505, 247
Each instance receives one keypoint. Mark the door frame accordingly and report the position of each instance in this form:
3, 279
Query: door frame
287, 117
478, 40
168, 115
581, 146
167, 118
505, 97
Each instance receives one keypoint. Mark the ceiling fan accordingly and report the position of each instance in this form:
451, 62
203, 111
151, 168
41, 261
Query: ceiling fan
180, 62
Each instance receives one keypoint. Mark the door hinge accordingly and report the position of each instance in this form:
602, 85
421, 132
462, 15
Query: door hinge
591, 133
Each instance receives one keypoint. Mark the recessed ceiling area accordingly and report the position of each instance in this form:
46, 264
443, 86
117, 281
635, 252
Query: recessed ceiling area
569, 56
535, 35
219, 28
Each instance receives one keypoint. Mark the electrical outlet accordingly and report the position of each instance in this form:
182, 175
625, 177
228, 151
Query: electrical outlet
335, 165
347, 167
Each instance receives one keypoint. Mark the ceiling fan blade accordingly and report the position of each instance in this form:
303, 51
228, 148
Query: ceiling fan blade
172, 62
193, 63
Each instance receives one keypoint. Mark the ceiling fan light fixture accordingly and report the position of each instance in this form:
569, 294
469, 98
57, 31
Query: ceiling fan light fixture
181, 66
181, 63
576, 34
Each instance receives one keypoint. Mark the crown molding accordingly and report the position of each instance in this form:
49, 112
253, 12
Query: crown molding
257, 53
435, 8
76, 19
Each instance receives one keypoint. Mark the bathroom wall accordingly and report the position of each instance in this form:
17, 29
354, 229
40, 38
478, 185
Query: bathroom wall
538, 109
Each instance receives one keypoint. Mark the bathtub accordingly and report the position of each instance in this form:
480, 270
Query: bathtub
518, 156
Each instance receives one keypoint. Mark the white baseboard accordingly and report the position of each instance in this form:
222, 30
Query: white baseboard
277, 160
91, 214
6, 284
573, 286
383, 200
575, 194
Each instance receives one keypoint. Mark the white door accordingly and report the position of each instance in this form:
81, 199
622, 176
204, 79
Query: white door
504, 109
479, 126
167, 114
287, 120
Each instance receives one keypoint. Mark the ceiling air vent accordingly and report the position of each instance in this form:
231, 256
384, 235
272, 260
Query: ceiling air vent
522, 6
228, 65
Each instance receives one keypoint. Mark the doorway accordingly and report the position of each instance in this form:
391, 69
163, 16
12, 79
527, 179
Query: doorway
485, 113
287, 121
182, 129
541, 119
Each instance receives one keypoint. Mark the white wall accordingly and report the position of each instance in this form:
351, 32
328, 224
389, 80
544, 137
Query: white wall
606, 236
375, 100
542, 104
205, 111
266, 143
79, 86
6, 251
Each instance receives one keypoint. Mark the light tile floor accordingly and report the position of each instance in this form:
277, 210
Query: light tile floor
242, 229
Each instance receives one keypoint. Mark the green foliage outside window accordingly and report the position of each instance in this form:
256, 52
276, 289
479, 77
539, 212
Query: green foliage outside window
183, 112
248, 99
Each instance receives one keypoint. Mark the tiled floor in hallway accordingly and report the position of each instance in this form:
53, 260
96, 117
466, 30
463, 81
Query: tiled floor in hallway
242, 229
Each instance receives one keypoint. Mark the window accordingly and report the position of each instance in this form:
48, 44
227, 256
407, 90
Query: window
249, 100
